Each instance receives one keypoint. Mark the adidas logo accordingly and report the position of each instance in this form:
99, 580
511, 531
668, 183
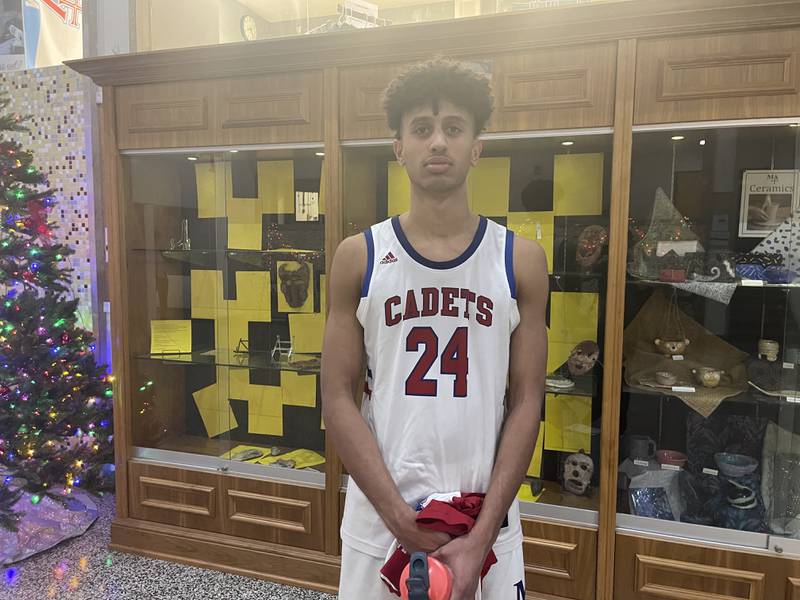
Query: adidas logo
389, 258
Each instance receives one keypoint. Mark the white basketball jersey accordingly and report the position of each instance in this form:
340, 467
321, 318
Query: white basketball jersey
437, 337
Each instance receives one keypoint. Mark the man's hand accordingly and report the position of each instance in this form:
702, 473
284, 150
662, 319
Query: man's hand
465, 557
414, 538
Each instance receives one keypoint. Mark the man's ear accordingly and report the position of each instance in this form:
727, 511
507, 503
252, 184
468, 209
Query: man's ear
477, 149
398, 151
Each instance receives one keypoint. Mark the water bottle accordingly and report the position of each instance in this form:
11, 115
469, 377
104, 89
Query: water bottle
425, 578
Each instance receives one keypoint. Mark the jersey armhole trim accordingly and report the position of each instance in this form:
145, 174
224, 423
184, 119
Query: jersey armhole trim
512, 282
370, 261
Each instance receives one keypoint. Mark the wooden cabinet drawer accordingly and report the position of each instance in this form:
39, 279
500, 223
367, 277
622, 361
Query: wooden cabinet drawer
555, 88
724, 76
270, 109
290, 515
165, 115
649, 569
560, 560
175, 496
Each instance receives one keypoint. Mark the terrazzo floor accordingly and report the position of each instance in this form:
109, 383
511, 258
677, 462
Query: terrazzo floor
84, 569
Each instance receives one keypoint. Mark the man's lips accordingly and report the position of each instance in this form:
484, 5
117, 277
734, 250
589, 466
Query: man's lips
439, 160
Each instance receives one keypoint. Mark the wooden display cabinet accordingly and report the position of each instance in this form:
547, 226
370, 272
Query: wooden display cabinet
596, 71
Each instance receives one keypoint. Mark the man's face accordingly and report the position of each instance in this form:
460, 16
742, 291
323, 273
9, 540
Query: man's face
438, 149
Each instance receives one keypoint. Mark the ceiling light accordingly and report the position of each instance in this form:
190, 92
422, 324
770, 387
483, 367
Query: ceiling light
191, 158
320, 153
677, 138
567, 143
794, 125
233, 151
702, 142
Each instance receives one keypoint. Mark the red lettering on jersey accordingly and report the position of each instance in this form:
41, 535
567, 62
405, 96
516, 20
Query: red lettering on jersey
430, 302
470, 297
412, 312
485, 306
448, 295
390, 318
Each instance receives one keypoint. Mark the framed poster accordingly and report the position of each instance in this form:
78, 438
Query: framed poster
768, 197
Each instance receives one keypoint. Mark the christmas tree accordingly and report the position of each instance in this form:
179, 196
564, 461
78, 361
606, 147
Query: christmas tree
55, 401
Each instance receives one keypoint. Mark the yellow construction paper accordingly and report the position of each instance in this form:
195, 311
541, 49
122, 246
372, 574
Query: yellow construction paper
308, 305
573, 319
306, 332
535, 468
206, 291
276, 186
525, 495
253, 293
578, 184
264, 403
569, 423
238, 322
536, 226
323, 295
303, 458
210, 191
299, 390
399, 188
170, 336
214, 407
241, 448
487, 186
323, 187
244, 236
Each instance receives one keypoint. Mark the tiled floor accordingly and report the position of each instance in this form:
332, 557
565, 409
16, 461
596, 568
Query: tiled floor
83, 569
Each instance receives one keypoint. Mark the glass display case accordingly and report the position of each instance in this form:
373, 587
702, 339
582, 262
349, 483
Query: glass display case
555, 189
710, 426
226, 277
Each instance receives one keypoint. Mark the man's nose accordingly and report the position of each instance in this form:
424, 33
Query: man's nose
438, 141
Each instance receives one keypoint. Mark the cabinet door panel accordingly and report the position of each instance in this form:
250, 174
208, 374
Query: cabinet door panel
174, 496
165, 115
724, 76
270, 110
560, 561
274, 512
554, 88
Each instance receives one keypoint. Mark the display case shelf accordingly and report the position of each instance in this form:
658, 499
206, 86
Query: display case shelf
301, 363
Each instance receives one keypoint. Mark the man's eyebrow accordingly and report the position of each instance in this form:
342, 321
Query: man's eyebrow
420, 119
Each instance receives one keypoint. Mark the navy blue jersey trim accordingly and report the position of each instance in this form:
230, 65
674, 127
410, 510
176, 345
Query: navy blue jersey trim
512, 281
444, 264
370, 262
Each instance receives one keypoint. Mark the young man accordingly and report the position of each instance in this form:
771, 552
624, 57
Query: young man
446, 304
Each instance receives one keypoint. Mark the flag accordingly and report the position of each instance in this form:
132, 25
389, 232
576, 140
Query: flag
53, 31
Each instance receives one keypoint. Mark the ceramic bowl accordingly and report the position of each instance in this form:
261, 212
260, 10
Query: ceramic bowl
666, 378
735, 465
671, 457
750, 271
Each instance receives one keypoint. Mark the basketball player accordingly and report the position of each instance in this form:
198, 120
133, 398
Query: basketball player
447, 304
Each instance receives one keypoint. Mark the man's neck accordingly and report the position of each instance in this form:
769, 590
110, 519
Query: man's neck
433, 216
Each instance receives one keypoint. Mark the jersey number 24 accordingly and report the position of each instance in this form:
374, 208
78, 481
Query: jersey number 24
454, 361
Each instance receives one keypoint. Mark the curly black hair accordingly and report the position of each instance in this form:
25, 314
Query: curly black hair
435, 80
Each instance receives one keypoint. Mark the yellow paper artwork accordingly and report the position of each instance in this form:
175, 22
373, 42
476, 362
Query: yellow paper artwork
536, 226
213, 405
399, 188
568, 425
299, 390
578, 184
488, 184
276, 186
306, 331
535, 468
573, 319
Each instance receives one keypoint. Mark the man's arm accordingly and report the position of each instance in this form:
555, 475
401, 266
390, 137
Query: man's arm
342, 378
527, 367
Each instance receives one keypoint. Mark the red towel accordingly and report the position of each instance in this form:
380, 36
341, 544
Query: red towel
456, 518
